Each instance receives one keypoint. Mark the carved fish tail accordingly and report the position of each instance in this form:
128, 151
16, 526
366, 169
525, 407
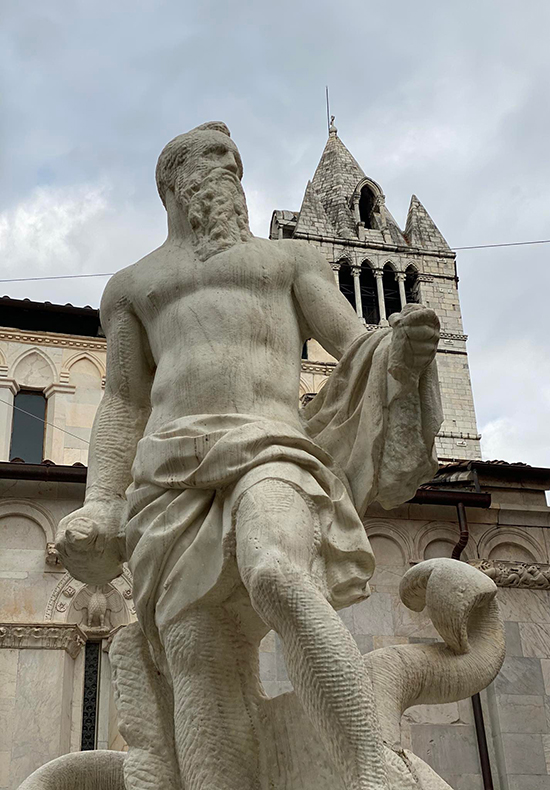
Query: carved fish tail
460, 602
145, 710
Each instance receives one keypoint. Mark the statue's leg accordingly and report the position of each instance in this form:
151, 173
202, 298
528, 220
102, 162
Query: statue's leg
213, 667
275, 549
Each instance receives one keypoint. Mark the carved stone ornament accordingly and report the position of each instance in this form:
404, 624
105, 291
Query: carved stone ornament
92, 609
42, 636
52, 557
529, 575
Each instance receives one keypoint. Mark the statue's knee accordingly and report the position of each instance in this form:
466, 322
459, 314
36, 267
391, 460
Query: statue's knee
271, 584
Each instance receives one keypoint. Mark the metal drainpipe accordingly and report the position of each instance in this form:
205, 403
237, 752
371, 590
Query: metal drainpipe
481, 735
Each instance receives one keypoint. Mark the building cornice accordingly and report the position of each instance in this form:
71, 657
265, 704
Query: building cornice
53, 339
372, 245
42, 636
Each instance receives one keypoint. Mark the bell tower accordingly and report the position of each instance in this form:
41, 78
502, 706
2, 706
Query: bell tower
380, 268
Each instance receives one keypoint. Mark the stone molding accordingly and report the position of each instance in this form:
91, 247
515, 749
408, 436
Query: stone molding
530, 576
42, 636
59, 387
9, 384
49, 339
325, 368
459, 435
453, 336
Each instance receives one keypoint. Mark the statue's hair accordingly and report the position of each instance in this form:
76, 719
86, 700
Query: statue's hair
173, 155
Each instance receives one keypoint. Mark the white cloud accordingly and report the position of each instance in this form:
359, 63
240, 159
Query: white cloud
46, 231
512, 388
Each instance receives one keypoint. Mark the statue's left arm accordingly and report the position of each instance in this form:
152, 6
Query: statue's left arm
380, 411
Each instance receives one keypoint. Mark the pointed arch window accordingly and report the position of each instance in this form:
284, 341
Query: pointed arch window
27, 434
369, 298
345, 281
411, 284
392, 299
367, 202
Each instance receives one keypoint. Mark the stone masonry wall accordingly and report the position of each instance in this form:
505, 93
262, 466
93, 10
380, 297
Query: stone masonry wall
438, 289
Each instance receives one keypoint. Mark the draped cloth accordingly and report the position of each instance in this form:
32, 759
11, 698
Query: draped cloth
367, 436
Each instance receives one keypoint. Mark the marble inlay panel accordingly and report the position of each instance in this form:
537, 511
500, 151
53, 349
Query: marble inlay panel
535, 639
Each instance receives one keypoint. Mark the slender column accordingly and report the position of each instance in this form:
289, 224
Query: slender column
400, 277
378, 273
356, 213
336, 270
356, 272
8, 390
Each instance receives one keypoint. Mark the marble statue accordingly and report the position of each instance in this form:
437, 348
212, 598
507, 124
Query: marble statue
239, 513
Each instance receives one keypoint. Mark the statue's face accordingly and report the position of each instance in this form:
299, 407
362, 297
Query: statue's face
208, 186
210, 151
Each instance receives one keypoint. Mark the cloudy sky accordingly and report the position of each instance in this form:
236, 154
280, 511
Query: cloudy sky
446, 100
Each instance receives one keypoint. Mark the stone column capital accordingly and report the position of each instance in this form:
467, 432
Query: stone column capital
336, 267
59, 387
356, 271
10, 384
378, 273
400, 277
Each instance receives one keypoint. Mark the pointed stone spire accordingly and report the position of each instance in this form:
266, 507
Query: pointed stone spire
421, 230
334, 181
313, 218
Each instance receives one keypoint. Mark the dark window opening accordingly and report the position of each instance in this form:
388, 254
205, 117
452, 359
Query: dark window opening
304, 351
366, 206
369, 295
92, 658
345, 280
27, 434
391, 291
411, 285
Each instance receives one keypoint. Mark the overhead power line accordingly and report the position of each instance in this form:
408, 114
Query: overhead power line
53, 425
110, 274
507, 244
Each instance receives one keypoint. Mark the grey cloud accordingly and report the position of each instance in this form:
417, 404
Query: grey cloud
447, 100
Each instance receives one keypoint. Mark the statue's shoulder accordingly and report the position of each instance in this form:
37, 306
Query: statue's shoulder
125, 286
296, 251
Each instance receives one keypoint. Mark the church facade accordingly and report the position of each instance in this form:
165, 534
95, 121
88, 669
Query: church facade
55, 631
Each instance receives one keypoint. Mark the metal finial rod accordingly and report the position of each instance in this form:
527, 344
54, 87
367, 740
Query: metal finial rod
328, 109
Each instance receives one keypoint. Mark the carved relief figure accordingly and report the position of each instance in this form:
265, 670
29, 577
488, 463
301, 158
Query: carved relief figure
98, 602
237, 513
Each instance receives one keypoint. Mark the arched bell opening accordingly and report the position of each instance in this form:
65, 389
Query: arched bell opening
369, 298
411, 285
392, 299
367, 202
345, 281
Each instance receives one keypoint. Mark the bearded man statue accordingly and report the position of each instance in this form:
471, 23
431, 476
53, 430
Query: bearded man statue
237, 512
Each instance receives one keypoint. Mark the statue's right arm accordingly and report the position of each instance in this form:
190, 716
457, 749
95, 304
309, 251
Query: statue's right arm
89, 540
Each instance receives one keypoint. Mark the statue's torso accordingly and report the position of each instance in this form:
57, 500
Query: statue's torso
225, 333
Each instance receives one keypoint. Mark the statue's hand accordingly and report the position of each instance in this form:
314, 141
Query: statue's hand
89, 544
415, 338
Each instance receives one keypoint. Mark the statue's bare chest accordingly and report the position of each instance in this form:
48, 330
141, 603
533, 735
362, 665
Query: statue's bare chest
219, 280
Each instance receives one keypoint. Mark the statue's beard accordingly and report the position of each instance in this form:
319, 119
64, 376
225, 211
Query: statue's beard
217, 212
